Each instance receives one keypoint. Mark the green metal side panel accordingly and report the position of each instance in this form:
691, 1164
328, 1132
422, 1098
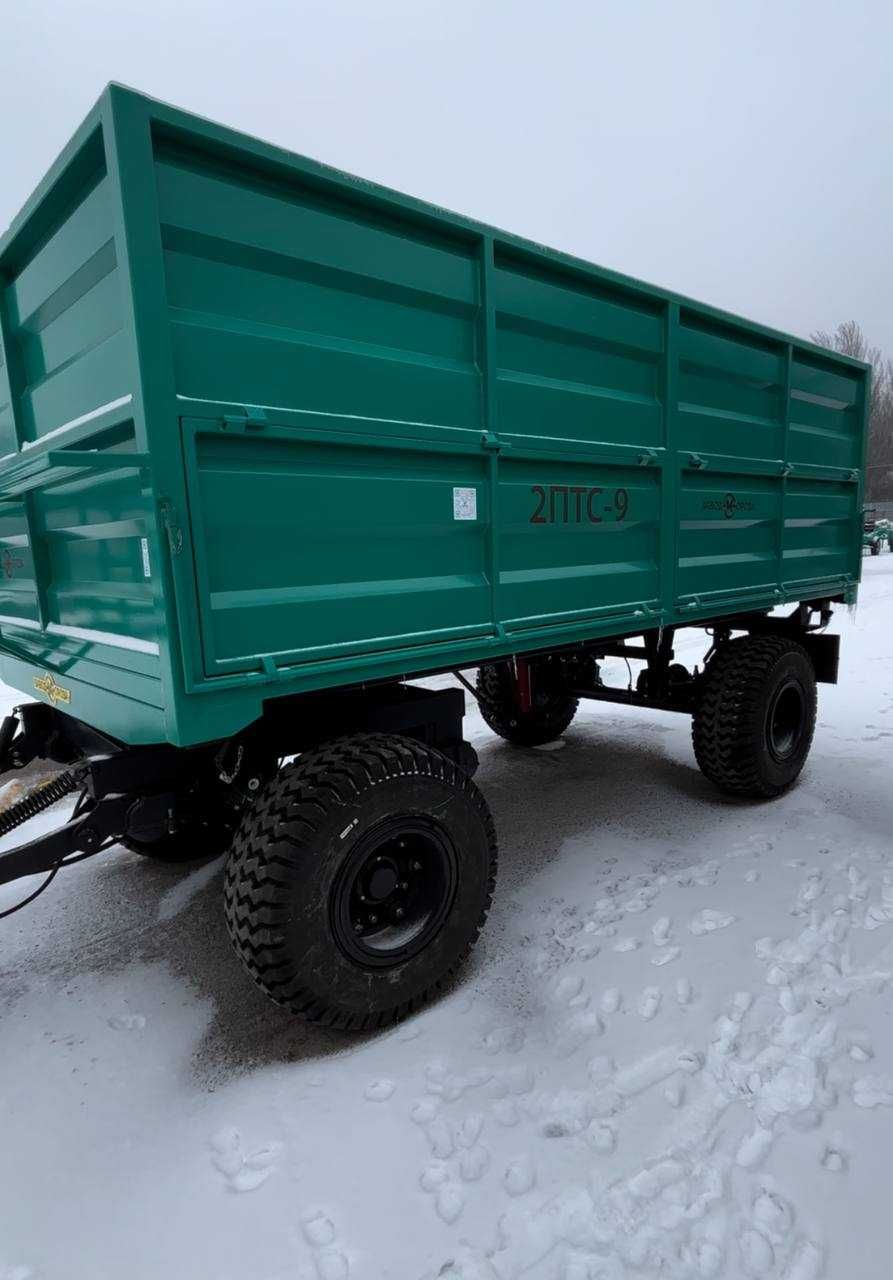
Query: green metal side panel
76, 596
379, 439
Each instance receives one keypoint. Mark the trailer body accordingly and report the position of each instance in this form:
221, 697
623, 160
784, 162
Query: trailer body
268, 429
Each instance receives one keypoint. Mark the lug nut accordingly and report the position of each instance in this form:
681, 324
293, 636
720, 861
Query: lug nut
404, 885
358, 928
416, 866
373, 919
253, 784
399, 913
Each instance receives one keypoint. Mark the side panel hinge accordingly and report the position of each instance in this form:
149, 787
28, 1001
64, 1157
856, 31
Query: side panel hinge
252, 417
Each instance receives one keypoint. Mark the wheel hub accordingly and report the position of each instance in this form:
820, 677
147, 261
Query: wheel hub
383, 881
785, 720
394, 892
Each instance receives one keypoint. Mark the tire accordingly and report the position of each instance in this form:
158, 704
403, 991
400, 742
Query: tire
552, 711
340, 844
755, 719
875, 548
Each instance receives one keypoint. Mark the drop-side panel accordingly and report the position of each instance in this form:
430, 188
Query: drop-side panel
574, 362
282, 296
818, 532
728, 535
826, 414
577, 541
768, 443
314, 548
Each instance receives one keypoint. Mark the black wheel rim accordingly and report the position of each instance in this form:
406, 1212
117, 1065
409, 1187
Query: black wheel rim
785, 720
394, 891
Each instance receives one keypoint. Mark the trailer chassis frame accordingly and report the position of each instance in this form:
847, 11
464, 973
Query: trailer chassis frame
145, 791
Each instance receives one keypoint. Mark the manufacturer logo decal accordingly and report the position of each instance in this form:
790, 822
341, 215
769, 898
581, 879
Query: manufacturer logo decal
729, 505
11, 563
55, 692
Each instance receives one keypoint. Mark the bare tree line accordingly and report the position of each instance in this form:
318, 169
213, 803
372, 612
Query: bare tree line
849, 340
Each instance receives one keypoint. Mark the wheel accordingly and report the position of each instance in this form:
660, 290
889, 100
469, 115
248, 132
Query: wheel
875, 548
753, 726
552, 711
360, 879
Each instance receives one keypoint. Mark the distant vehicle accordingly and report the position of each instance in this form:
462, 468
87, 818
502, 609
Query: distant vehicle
276, 440
877, 533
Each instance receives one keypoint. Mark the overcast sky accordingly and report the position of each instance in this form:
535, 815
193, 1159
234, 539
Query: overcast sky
737, 152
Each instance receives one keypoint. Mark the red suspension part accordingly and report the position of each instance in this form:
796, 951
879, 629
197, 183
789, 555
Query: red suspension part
523, 682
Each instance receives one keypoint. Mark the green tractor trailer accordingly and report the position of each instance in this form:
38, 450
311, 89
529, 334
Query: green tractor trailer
276, 442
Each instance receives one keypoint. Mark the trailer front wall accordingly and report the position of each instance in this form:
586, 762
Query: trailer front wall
77, 604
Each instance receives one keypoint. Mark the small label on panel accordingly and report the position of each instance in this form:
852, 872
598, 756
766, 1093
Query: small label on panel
147, 568
465, 504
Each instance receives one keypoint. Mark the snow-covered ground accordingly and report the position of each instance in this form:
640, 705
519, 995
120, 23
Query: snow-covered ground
671, 1055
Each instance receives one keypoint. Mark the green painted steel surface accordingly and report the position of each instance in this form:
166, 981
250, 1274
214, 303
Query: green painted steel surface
270, 428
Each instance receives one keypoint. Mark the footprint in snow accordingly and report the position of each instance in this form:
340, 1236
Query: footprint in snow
773, 1216
440, 1138
660, 931
601, 1137
576, 1032
474, 1163
127, 1022
674, 1093
666, 956
449, 1203
709, 1259
873, 1091
520, 1176
318, 1229
757, 1254
241, 1170
627, 944
753, 1149
319, 1232
469, 1130
568, 988
423, 1111
860, 1048
683, 991
808, 1262
649, 1002
708, 921
610, 1001
379, 1090
833, 1160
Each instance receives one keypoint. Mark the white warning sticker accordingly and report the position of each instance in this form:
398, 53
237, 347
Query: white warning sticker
465, 504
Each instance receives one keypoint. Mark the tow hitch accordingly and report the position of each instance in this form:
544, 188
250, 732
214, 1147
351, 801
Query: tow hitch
122, 790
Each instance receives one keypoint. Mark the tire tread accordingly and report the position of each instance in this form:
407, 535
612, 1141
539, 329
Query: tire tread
277, 835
